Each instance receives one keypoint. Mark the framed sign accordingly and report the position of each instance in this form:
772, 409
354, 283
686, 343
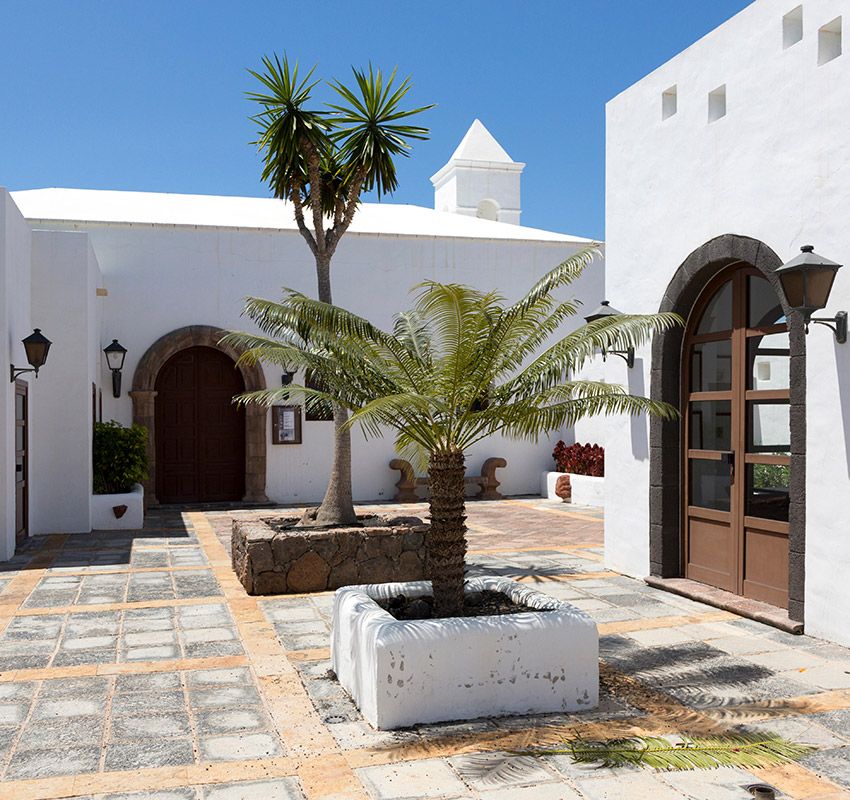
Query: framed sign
286, 424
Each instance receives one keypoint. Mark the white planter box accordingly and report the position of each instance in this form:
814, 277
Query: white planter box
400, 673
587, 490
103, 517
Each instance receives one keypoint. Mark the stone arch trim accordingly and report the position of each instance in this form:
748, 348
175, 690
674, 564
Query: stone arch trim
143, 395
665, 445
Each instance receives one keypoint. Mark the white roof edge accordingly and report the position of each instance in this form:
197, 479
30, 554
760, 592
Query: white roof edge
149, 209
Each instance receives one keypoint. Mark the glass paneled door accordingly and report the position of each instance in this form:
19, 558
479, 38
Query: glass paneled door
21, 462
737, 438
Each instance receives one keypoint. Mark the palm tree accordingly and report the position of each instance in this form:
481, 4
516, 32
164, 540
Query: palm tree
461, 366
321, 161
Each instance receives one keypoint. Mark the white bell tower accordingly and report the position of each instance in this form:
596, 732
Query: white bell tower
480, 180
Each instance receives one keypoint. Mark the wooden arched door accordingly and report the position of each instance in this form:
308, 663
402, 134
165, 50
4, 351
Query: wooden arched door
200, 432
736, 396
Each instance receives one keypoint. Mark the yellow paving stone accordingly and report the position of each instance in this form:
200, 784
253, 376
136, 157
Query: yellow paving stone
316, 654
649, 623
798, 782
330, 778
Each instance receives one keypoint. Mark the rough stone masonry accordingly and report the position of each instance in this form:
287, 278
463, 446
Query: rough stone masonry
268, 560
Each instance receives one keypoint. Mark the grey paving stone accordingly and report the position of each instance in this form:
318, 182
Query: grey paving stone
12, 714
62, 689
16, 691
430, 777
204, 635
71, 707
484, 771
153, 682
212, 649
155, 653
832, 764
837, 721
239, 747
59, 734
41, 628
215, 721
219, 677
148, 753
147, 726
44, 763
223, 696
147, 702
150, 638
185, 793
280, 789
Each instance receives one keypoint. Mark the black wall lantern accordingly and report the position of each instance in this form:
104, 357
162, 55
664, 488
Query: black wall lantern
36, 346
807, 281
115, 355
606, 310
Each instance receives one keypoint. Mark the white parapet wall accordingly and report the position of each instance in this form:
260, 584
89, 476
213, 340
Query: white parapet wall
403, 672
103, 510
587, 490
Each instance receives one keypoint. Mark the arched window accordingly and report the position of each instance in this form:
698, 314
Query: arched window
488, 209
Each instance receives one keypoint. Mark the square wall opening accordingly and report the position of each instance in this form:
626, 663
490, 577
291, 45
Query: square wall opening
829, 41
717, 103
669, 102
792, 27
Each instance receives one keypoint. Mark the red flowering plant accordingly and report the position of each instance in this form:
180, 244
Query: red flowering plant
580, 459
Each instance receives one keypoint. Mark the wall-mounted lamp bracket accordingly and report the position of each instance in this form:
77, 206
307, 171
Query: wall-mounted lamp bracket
627, 355
837, 324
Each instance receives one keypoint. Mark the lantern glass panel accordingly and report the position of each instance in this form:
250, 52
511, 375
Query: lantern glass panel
794, 286
819, 287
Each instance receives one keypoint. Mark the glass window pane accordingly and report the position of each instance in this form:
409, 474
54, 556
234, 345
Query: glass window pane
769, 427
711, 366
711, 425
767, 491
19, 406
769, 359
710, 484
763, 306
718, 313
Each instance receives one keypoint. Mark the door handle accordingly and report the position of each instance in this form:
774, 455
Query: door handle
19, 467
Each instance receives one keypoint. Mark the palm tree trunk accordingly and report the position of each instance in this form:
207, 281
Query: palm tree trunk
447, 537
337, 507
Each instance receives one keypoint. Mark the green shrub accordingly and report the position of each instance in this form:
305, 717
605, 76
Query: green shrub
120, 457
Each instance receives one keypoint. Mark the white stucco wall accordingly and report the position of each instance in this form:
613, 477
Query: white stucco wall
166, 277
776, 168
14, 326
66, 274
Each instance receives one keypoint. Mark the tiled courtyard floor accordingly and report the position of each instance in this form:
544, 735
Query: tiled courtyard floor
135, 666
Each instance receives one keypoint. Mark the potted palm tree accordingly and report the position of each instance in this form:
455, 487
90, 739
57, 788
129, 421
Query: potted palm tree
461, 366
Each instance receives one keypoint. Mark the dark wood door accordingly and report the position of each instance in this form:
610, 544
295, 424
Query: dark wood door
737, 439
200, 433
21, 461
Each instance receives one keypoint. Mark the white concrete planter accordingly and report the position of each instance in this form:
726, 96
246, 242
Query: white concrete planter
587, 490
400, 673
103, 510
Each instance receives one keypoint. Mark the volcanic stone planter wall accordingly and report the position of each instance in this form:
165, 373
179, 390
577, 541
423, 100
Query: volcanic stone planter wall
270, 562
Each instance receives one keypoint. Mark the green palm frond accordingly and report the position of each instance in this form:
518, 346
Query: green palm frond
461, 366
369, 132
744, 750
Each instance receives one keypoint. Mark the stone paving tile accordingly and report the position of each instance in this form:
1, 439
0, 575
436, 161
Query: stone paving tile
833, 764
483, 771
147, 634
413, 779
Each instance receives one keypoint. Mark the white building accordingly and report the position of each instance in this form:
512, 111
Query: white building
164, 274
721, 164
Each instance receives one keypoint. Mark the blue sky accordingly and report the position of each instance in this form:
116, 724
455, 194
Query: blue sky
150, 95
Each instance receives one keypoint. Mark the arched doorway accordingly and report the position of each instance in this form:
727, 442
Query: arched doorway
691, 290
737, 438
145, 407
200, 433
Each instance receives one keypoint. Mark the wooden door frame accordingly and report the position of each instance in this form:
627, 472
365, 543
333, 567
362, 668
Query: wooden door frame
143, 395
22, 390
665, 436
738, 395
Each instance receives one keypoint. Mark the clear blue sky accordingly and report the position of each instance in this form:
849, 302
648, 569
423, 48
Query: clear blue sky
150, 95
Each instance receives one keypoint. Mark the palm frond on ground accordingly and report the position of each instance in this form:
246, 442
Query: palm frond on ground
744, 750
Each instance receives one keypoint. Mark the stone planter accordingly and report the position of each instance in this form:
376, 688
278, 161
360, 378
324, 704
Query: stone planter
400, 673
124, 511
587, 490
268, 561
